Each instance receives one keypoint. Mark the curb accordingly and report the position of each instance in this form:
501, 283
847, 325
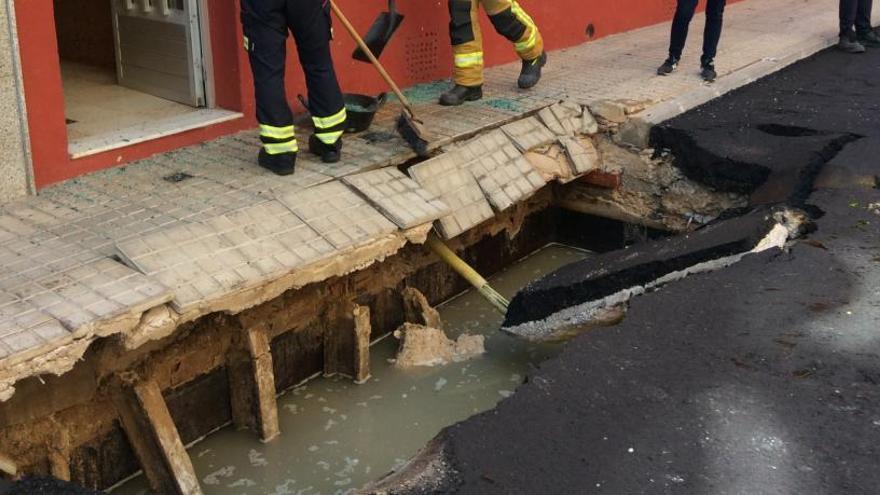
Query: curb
637, 130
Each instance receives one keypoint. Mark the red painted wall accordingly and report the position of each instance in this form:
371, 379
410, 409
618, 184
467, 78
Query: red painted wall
419, 52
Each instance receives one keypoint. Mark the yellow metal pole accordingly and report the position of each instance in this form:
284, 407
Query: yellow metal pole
469, 274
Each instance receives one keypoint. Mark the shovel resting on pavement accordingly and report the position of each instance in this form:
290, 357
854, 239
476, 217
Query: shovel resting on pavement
380, 33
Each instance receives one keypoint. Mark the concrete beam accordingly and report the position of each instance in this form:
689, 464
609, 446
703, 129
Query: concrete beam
362, 332
252, 385
154, 438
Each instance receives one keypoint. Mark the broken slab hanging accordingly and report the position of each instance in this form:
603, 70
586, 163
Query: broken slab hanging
528, 134
506, 177
398, 197
447, 177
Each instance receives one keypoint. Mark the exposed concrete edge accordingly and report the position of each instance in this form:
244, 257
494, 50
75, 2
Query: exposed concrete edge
160, 323
637, 130
154, 323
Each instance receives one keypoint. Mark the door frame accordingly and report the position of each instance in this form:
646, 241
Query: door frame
44, 98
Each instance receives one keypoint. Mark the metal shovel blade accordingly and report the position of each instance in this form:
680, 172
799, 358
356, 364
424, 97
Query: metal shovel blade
380, 32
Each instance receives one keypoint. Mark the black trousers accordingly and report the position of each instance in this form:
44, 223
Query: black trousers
855, 13
266, 24
684, 13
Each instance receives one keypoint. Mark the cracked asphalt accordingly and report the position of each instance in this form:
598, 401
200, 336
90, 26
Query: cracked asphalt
763, 378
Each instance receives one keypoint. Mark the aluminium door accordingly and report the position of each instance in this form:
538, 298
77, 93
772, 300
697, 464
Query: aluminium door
158, 48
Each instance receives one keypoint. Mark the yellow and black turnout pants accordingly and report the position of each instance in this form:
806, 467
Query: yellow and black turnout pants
266, 24
509, 20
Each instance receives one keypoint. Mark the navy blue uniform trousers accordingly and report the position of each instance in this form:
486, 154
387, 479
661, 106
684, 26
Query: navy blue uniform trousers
855, 13
684, 13
266, 24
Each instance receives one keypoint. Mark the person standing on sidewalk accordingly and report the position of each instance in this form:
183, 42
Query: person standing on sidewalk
684, 13
510, 21
856, 14
266, 24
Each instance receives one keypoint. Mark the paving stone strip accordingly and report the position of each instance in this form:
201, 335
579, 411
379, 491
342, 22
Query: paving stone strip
336, 212
400, 198
42, 307
201, 262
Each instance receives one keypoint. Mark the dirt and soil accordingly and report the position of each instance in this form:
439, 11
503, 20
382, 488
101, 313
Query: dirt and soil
760, 378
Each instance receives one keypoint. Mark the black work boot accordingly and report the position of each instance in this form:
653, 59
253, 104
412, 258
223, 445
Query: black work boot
868, 39
329, 153
460, 94
280, 164
849, 44
668, 67
707, 70
531, 71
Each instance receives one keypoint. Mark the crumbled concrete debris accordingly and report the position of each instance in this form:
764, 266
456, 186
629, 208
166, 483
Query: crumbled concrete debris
652, 191
568, 116
426, 346
589, 125
549, 119
633, 106
417, 310
581, 153
610, 111
552, 163
874, 208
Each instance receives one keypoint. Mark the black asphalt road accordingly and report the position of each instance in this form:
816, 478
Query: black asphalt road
763, 378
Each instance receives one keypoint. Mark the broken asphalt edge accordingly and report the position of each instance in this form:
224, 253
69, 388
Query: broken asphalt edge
578, 293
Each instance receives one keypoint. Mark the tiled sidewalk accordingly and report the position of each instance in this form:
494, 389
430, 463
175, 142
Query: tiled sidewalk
87, 258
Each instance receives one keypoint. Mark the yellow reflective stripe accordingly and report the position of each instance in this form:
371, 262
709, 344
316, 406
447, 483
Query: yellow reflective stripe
273, 132
329, 137
278, 148
247, 43
528, 44
523, 17
331, 121
469, 59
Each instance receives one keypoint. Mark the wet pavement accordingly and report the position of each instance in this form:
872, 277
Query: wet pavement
761, 378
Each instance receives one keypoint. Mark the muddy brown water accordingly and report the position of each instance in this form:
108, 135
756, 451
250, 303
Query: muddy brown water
337, 436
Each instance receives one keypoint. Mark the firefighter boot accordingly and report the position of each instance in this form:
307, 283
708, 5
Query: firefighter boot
460, 94
329, 153
280, 164
531, 71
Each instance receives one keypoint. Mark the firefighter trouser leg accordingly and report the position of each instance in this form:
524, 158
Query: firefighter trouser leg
509, 20
266, 24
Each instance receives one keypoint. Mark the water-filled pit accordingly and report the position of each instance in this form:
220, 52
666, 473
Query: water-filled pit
337, 436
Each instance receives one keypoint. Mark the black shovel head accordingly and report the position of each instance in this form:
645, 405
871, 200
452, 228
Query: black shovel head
380, 33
